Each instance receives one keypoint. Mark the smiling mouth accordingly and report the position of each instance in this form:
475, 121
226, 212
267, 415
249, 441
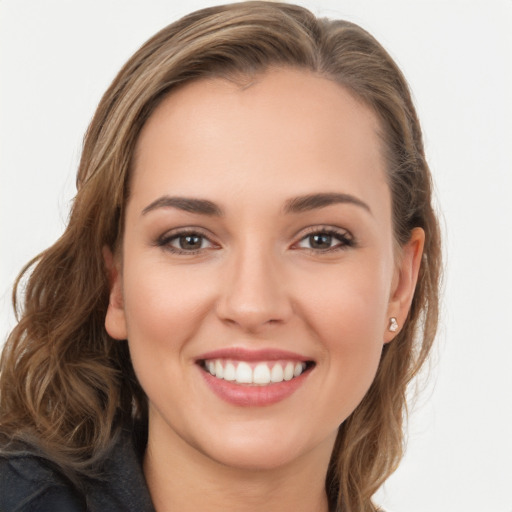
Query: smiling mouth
261, 373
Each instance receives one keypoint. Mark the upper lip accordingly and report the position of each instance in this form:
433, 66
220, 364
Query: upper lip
244, 354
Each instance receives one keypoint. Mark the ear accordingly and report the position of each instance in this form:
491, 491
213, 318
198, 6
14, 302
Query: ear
404, 281
115, 321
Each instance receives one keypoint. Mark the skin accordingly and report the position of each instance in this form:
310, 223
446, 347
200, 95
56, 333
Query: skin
257, 281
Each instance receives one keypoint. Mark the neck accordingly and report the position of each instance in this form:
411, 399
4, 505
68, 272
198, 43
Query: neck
187, 480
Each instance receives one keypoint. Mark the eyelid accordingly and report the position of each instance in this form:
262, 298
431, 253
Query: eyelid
342, 234
164, 240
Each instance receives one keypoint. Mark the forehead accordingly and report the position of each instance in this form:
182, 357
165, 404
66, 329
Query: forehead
286, 127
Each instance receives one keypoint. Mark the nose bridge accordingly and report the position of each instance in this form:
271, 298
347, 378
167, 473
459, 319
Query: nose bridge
254, 290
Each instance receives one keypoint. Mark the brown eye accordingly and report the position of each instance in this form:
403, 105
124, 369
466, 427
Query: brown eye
190, 242
320, 241
325, 241
186, 242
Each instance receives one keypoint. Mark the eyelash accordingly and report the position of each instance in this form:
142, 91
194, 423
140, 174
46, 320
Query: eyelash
165, 241
344, 238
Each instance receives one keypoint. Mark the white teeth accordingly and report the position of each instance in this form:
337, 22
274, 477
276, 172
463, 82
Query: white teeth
230, 372
219, 370
244, 374
288, 371
277, 374
262, 374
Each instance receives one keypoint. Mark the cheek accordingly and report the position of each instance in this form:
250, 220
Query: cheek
352, 333
347, 315
349, 303
164, 308
164, 311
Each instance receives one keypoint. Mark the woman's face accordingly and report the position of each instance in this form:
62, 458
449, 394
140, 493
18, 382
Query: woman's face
258, 270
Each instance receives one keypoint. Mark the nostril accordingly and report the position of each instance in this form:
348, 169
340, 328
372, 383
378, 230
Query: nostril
252, 295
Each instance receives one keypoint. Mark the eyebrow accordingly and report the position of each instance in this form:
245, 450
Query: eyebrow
295, 205
199, 206
321, 200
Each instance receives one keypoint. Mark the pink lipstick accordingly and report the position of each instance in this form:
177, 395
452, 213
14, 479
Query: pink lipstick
254, 377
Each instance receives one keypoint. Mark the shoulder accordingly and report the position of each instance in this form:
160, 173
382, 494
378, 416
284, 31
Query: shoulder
29, 483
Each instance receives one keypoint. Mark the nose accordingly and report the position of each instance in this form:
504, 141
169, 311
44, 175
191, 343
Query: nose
254, 292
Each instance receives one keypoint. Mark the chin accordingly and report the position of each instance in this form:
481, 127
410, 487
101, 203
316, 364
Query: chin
267, 449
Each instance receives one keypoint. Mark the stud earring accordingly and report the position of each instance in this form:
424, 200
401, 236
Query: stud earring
393, 324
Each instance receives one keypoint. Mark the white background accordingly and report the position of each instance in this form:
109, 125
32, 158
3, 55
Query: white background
57, 58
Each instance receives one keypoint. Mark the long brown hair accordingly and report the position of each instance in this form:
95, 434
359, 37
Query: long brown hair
66, 387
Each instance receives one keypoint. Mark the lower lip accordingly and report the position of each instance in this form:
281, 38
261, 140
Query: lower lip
253, 396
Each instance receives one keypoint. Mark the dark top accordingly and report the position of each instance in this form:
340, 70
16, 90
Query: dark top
30, 483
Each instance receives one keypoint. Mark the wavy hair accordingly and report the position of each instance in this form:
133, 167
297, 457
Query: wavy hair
66, 387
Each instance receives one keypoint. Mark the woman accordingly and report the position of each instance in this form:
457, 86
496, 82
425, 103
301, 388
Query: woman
247, 283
